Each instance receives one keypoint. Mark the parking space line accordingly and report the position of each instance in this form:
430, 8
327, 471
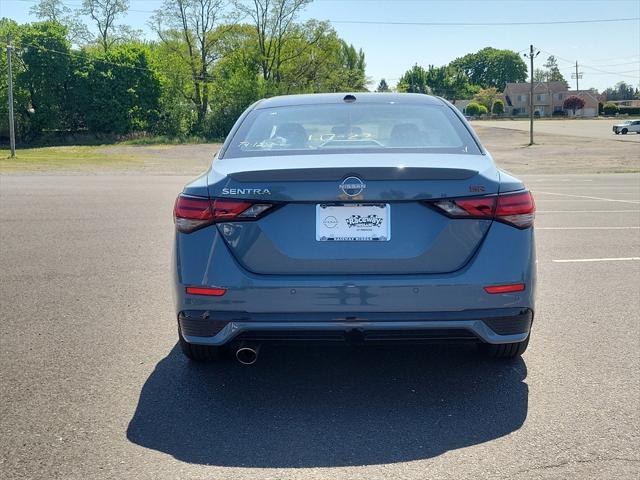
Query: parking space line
587, 228
590, 198
576, 260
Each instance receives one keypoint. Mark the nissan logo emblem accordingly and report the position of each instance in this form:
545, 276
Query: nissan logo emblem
352, 186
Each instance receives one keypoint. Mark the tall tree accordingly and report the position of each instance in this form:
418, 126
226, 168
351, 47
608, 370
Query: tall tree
414, 80
57, 11
491, 67
449, 82
383, 86
46, 59
273, 20
118, 91
195, 30
621, 91
105, 13
550, 72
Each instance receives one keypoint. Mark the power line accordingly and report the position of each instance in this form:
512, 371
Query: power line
107, 62
483, 24
622, 74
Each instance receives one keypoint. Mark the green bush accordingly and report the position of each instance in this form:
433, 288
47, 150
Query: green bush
610, 109
473, 109
629, 110
483, 110
498, 107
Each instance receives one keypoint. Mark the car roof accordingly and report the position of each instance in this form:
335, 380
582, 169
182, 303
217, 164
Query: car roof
360, 97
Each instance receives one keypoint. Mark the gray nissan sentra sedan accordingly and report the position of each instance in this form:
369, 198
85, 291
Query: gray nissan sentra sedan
357, 218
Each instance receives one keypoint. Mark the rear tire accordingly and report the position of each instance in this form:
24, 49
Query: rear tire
624, 131
201, 353
507, 350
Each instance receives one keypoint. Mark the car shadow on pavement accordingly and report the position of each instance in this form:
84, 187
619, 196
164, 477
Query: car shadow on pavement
323, 406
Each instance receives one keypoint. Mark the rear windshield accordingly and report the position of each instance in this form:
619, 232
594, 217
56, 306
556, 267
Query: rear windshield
351, 128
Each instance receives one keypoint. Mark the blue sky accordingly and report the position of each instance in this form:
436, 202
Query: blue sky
392, 49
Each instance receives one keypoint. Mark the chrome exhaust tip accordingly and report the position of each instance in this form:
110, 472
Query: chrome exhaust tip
247, 354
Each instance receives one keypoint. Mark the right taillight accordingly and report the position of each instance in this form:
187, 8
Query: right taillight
192, 213
517, 209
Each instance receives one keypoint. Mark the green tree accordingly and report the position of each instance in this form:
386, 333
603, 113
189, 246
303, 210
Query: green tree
383, 86
118, 92
553, 72
57, 11
621, 91
610, 109
195, 32
415, 80
319, 62
105, 14
486, 97
449, 82
491, 67
45, 55
10, 30
274, 22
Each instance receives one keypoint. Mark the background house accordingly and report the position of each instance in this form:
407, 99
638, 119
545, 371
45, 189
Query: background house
547, 98
591, 100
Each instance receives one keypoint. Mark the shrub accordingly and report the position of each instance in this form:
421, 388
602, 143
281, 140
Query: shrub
473, 109
498, 107
610, 109
559, 113
629, 110
483, 110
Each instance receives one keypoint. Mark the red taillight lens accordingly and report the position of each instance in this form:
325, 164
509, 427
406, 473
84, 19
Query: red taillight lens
212, 292
517, 209
192, 213
512, 287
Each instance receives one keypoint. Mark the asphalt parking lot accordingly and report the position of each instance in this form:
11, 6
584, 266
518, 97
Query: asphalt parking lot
600, 128
93, 385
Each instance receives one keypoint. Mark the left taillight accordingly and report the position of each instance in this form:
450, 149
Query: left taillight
192, 213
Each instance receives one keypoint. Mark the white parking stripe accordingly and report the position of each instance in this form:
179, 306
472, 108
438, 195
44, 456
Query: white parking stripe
590, 198
587, 228
620, 259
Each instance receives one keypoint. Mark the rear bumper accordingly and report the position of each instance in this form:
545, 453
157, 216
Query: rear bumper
505, 325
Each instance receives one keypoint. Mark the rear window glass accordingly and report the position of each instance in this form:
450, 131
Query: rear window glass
350, 128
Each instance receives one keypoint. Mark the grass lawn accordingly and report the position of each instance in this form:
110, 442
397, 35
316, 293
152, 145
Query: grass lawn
33, 160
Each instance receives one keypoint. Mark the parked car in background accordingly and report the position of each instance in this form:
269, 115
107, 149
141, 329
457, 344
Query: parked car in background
360, 218
626, 127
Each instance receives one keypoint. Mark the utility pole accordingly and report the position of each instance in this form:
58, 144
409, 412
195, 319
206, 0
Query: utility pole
12, 131
577, 76
531, 56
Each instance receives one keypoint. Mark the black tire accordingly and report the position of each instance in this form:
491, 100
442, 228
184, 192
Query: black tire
202, 353
624, 131
616, 132
507, 350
